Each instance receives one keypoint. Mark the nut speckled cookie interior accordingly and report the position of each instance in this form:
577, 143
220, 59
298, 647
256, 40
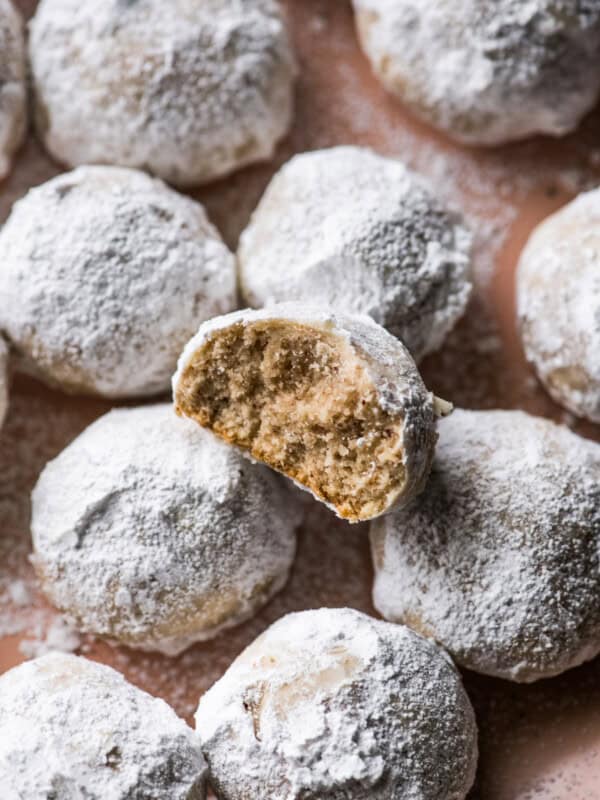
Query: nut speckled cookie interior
332, 401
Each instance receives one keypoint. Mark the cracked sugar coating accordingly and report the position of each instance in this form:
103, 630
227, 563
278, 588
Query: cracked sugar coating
105, 273
334, 705
558, 299
188, 89
498, 560
4, 378
487, 71
13, 84
351, 229
165, 536
332, 401
71, 728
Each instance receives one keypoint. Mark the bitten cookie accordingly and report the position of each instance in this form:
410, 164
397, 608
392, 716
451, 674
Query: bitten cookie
498, 560
558, 301
13, 85
165, 536
487, 71
347, 228
188, 89
332, 401
334, 705
71, 728
105, 273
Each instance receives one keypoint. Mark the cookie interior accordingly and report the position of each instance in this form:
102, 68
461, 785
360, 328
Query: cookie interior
300, 399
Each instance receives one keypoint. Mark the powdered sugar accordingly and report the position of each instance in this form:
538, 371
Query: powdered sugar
105, 275
189, 90
13, 89
332, 705
487, 72
347, 228
3, 380
558, 293
59, 636
165, 536
73, 728
499, 559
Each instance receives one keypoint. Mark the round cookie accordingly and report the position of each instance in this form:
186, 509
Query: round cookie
348, 228
71, 728
487, 71
558, 302
498, 560
334, 705
165, 537
332, 401
105, 273
188, 89
13, 86
3, 380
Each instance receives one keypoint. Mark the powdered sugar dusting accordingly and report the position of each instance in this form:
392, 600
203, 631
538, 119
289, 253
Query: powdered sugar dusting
559, 304
166, 535
185, 89
3, 380
487, 72
105, 275
330, 704
70, 727
499, 559
13, 89
347, 228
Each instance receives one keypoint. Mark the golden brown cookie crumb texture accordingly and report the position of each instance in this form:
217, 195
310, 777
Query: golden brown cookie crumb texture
498, 560
332, 401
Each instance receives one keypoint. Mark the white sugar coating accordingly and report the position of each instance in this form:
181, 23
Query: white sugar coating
397, 383
487, 71
3, 380
188, 89
13, 84
348, 228
334, 705
71, 728
558, 300
105, 273
150, 531
498, 560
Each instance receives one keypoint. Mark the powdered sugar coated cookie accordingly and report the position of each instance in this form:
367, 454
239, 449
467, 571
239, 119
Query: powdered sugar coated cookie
189, 89
105, 273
